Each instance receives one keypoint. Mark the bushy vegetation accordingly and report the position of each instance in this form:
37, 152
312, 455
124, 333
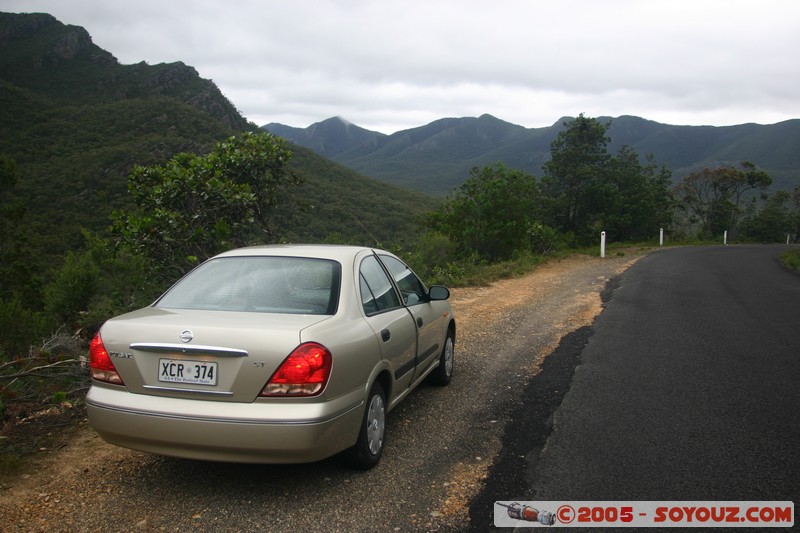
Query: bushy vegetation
500, 217
245, 190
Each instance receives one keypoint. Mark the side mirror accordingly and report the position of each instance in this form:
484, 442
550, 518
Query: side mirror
439, 292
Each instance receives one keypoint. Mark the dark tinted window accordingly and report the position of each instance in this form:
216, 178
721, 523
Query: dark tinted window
377, 293
259, 284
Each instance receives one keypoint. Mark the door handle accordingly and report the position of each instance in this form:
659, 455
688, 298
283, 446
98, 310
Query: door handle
419, 322
386, 335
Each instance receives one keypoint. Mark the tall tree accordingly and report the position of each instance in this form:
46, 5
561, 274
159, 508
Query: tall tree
748, 178
712, 197
640, 201
574, 186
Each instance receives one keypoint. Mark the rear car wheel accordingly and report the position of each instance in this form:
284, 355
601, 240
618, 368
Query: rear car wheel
444, 372
372, 436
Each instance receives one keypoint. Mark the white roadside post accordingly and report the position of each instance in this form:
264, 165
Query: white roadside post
787, 238
725, 237
661, 237
602, 244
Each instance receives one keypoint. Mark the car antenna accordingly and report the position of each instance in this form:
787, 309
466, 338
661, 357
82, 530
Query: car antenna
377, 242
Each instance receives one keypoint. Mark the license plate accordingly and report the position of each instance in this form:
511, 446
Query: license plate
191, 372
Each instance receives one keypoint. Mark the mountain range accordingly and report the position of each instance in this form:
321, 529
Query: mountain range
437, 157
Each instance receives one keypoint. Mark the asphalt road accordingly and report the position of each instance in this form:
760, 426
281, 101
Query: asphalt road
686, 387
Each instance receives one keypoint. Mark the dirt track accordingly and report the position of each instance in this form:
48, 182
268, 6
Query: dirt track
440, 442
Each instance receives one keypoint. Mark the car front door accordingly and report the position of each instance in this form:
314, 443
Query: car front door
428, 320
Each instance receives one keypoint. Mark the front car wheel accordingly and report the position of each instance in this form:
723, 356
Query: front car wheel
444, 372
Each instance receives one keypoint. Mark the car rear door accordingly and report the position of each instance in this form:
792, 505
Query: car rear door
390, 321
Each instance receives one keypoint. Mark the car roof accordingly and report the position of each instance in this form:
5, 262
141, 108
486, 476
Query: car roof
336, 252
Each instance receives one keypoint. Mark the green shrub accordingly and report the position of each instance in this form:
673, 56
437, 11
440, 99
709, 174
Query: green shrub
791, 259
544, 239
432, 255
72, 288
59, 397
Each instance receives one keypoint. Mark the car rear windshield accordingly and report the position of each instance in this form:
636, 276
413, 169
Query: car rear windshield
259, 284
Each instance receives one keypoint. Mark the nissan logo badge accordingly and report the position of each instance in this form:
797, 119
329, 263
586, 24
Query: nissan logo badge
186, 335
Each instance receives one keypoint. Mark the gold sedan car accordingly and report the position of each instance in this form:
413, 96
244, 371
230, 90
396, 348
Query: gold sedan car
272, 354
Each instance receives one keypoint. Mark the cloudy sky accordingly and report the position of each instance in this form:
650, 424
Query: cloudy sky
389, 65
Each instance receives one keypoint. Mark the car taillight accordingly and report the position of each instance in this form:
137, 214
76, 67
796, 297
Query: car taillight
304, 373
100, 362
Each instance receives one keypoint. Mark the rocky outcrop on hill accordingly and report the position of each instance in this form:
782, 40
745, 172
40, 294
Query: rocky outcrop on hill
60, 62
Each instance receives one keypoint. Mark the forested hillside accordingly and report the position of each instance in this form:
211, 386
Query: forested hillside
437, 157
76, 121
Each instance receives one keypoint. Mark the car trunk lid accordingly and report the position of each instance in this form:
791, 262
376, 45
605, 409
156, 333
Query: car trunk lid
221, 355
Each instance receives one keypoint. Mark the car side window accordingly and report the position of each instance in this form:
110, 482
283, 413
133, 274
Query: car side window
377, 293
412, 289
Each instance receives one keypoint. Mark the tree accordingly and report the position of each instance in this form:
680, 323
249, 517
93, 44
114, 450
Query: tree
640, 201
586, 190
712, 197
775, 219
749, 179
196, 206
491, 213
574, 186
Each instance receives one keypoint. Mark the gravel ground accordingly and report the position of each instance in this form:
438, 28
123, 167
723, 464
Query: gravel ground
440, 446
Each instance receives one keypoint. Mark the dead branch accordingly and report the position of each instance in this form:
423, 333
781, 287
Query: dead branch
33, 371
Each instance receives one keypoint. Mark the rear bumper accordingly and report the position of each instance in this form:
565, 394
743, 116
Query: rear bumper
225, 431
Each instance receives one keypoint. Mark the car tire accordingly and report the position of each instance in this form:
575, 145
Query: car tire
444, 372
372, 435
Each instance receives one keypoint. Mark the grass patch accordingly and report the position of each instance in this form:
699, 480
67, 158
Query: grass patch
483, 274
474, 272
791, 260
